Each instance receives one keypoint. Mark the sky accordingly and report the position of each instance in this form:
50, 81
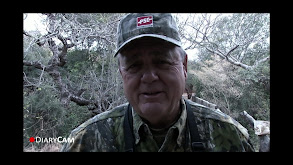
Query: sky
34, 21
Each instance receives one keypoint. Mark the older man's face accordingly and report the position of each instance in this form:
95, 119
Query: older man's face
154, 80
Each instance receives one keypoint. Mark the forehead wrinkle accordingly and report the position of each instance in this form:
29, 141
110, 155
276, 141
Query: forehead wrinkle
167, 54
170, 54
163, 51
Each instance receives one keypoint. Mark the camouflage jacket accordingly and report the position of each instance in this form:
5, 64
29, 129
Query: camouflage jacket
104, 133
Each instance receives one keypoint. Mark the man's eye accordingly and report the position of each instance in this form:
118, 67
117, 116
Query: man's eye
164, 62
133, 66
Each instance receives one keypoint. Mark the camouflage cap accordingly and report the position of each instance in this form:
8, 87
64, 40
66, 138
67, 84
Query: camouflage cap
138, 25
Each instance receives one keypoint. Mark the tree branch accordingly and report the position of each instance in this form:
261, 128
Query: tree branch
248, 118
232, 50
35, 64
71, 32
25, 33
260, 61
229, 59
59, 59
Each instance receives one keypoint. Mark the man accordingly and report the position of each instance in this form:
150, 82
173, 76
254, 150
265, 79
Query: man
154, 70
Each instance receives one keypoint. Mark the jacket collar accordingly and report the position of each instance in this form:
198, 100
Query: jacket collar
138, 124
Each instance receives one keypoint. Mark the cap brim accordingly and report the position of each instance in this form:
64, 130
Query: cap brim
171, 40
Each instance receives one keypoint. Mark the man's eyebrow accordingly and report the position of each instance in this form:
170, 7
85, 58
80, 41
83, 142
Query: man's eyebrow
160, 54
166, 55
131, 58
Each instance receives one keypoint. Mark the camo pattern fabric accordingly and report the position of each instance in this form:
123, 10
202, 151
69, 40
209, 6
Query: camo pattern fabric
104, 133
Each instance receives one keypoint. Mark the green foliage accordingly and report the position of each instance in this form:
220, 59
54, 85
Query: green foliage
45, 116
90, 72
256, 94
198, 87
33, 52
77, 62
234, 90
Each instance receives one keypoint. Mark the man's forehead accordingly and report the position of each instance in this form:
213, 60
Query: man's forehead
147, 42
149, 52
149, 47
154, 57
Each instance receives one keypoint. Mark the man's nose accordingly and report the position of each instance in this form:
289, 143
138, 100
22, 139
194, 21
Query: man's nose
149, 75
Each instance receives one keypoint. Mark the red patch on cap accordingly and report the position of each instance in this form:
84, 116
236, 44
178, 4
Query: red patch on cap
144, 21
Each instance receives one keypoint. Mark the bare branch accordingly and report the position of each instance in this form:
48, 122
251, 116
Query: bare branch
261, 61
41, 76
25, 33
80, 101
230, 59
249, 118
232, 50
71, 31
35, 64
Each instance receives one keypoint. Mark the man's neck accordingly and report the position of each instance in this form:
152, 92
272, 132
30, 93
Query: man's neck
165, 124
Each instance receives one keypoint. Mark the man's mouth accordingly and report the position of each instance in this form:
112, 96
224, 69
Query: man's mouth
151, 93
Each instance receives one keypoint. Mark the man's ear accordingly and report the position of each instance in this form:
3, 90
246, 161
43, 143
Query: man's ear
118, 61
185, 65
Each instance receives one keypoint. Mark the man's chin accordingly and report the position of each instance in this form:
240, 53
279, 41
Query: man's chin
152, 108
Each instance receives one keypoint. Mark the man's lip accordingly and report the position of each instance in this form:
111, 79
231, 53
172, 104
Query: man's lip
151, 96
151, 93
